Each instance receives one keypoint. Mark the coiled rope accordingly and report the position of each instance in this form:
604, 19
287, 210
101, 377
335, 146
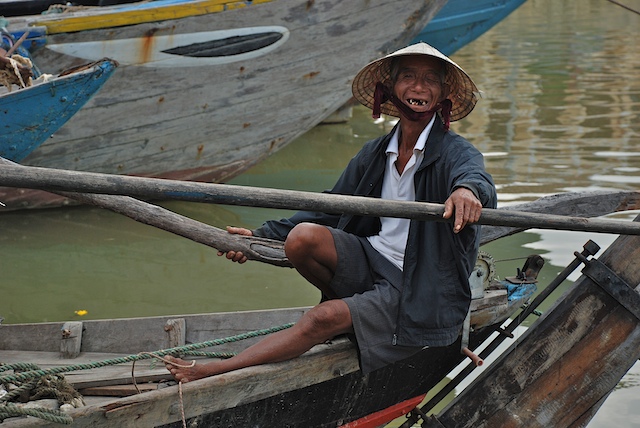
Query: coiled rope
10, 410
31, 371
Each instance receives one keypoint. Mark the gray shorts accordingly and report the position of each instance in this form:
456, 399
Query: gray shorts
371, 286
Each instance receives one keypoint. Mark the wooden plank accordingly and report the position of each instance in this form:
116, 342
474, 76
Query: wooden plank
134, 335
176, 330
576, 204
145, 370
71, 339
118, 390
491, 298
587, 204
559, 372
214, 393
76, 181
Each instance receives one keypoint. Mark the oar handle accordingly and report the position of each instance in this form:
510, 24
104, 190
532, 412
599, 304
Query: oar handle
55, 180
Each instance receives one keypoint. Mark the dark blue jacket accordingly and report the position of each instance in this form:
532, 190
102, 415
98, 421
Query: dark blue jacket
437, 262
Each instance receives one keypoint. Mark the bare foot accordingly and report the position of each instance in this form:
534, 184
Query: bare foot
188, 371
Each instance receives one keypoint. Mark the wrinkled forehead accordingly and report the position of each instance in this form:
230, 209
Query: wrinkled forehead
422, 63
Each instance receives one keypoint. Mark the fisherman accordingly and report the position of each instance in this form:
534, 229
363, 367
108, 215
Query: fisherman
394, 286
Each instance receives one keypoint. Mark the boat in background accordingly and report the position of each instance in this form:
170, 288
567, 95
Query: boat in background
30, 115
460, 22
206, 88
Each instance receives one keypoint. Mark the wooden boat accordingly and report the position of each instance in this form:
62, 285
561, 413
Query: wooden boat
564, 367
31, 115
206, 88
460, 22
324, 387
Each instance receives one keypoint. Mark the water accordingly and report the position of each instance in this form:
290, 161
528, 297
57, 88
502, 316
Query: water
560, 113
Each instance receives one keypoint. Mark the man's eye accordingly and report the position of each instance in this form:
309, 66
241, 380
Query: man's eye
432, 78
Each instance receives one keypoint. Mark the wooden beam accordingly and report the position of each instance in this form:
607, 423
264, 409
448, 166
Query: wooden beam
566, 364
75, 181
176, 332
71, 339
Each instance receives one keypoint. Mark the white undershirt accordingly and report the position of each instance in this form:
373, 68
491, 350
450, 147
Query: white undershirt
392, 239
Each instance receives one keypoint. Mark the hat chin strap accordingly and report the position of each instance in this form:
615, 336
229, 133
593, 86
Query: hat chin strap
382, 94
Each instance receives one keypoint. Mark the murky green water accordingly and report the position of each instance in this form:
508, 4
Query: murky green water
561, 112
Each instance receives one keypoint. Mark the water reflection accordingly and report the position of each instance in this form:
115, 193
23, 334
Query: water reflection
558, 90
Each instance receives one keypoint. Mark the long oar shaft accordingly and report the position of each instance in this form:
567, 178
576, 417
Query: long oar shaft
159, 189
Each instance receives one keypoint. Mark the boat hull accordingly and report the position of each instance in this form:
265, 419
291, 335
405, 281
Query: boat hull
181, 107
460, 22
322, 388
31, 115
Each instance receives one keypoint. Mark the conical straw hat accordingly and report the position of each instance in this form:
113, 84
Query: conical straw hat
463, 93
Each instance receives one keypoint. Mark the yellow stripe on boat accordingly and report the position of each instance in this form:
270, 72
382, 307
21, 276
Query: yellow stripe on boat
120, 18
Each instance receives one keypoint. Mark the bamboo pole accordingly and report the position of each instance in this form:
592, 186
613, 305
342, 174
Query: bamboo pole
56, 180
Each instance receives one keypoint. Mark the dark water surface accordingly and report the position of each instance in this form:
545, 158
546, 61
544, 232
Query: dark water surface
560, 112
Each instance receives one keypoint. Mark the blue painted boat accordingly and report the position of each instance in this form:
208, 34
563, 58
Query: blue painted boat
29, 116
460, 22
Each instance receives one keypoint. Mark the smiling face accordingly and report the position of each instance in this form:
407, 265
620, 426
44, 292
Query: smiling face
418, 82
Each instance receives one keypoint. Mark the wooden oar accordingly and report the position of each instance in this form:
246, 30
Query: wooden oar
152, 188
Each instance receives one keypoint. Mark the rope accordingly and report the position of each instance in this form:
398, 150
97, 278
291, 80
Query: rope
18, 366
210, 354
9, 410
33, 373
25, 387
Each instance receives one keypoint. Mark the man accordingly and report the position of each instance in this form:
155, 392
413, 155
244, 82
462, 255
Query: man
394, 285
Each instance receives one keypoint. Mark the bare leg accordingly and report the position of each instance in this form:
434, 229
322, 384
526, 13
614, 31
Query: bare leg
311, 249
323, 322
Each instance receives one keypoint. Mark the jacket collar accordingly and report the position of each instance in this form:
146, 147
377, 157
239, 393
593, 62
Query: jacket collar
433, 147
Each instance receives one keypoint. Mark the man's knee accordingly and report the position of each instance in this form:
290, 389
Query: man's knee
329, 319
304, 239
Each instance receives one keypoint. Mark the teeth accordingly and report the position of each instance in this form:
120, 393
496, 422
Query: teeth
415, 102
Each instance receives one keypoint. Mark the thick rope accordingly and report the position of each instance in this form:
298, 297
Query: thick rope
18, 366
10, 410
210, 354
19, 377
25, 387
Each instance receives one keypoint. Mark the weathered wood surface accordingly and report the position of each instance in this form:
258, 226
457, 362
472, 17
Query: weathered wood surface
560, 371
146, 334
145, 370
71, 339
32, 114
210, 394
134, 335
574, 204
165, 120
118, 390
64, 180
330, 362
